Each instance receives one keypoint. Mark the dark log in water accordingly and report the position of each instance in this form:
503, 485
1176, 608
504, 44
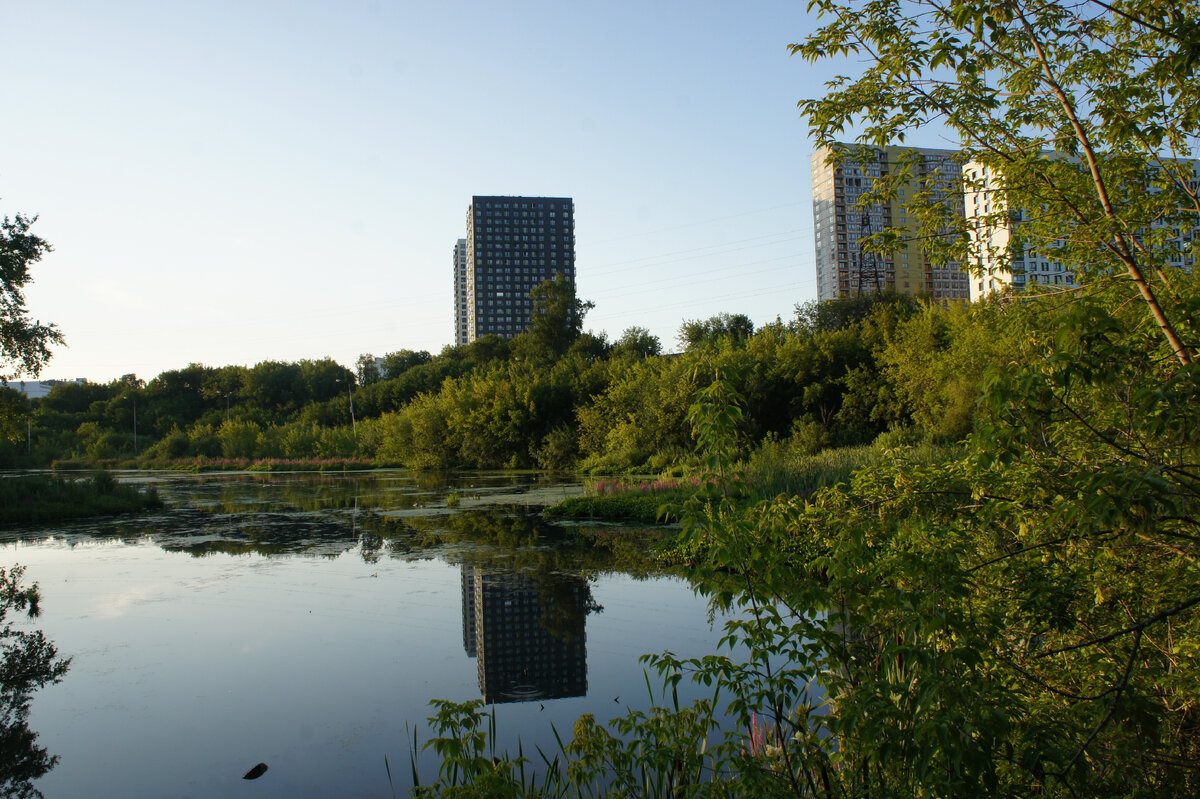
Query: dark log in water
255, 772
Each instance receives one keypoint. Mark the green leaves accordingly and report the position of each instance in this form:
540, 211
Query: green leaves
1110, 87
24, 342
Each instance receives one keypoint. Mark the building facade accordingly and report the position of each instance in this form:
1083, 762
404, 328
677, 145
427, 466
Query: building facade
36, 389
518, 656
512, 245
998, 262
460, 292
845, 268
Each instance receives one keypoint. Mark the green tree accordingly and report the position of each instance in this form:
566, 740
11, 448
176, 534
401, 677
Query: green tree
639, 342
555, 323
838, 314
77, 397
696, 332
15, 419
1110, 87
398, 362
935, 361
173, 399
24, 342
366, 370
275, 386
14, 414
239, 439
640, 414
324, 379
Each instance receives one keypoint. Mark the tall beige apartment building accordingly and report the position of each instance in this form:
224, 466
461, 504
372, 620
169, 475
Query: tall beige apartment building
844, 267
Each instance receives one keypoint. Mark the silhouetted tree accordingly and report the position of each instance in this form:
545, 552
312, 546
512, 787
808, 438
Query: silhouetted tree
555, 322
24, 342
27, 662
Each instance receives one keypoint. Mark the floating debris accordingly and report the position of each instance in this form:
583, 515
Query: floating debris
255, 772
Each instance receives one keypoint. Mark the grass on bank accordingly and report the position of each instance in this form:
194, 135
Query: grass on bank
774, 468
777, 467
647, 502
787, 467
40, 498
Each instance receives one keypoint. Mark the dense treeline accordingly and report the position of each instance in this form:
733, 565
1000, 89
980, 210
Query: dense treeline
836, 374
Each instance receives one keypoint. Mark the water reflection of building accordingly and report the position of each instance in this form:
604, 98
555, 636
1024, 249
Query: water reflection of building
468, 600
526, 634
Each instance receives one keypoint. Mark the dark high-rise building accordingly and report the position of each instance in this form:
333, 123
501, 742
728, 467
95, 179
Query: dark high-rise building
512, 245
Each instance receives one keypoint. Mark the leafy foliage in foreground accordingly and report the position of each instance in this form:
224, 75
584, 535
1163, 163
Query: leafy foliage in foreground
1017, 618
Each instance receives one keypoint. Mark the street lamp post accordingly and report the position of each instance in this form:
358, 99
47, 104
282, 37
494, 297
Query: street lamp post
350, 396
133, 397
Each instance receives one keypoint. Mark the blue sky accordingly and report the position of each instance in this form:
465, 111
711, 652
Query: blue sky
230, 182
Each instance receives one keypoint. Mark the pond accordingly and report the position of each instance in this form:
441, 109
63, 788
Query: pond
305, 621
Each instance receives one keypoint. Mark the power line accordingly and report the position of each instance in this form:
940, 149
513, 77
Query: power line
699, 222
675, 256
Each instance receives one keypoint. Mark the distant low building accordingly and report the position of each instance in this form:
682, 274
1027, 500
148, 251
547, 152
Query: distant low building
36, 389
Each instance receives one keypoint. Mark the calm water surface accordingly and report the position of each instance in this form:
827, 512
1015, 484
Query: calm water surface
304, 621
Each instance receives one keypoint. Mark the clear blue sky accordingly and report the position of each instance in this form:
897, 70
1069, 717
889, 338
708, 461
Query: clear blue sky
229, 182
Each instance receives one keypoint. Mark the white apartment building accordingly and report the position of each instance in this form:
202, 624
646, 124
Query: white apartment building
997, 263
36, 389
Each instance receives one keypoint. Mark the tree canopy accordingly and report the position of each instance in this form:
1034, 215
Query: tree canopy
24, 341
695, 332
1085, 111
555, 322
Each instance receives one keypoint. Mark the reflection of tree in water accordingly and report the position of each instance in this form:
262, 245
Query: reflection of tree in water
510, 538
313, 493
27, 662
499, 537
246, 493
330, 516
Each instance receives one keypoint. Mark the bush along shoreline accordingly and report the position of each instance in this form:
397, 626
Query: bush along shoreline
26, 499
